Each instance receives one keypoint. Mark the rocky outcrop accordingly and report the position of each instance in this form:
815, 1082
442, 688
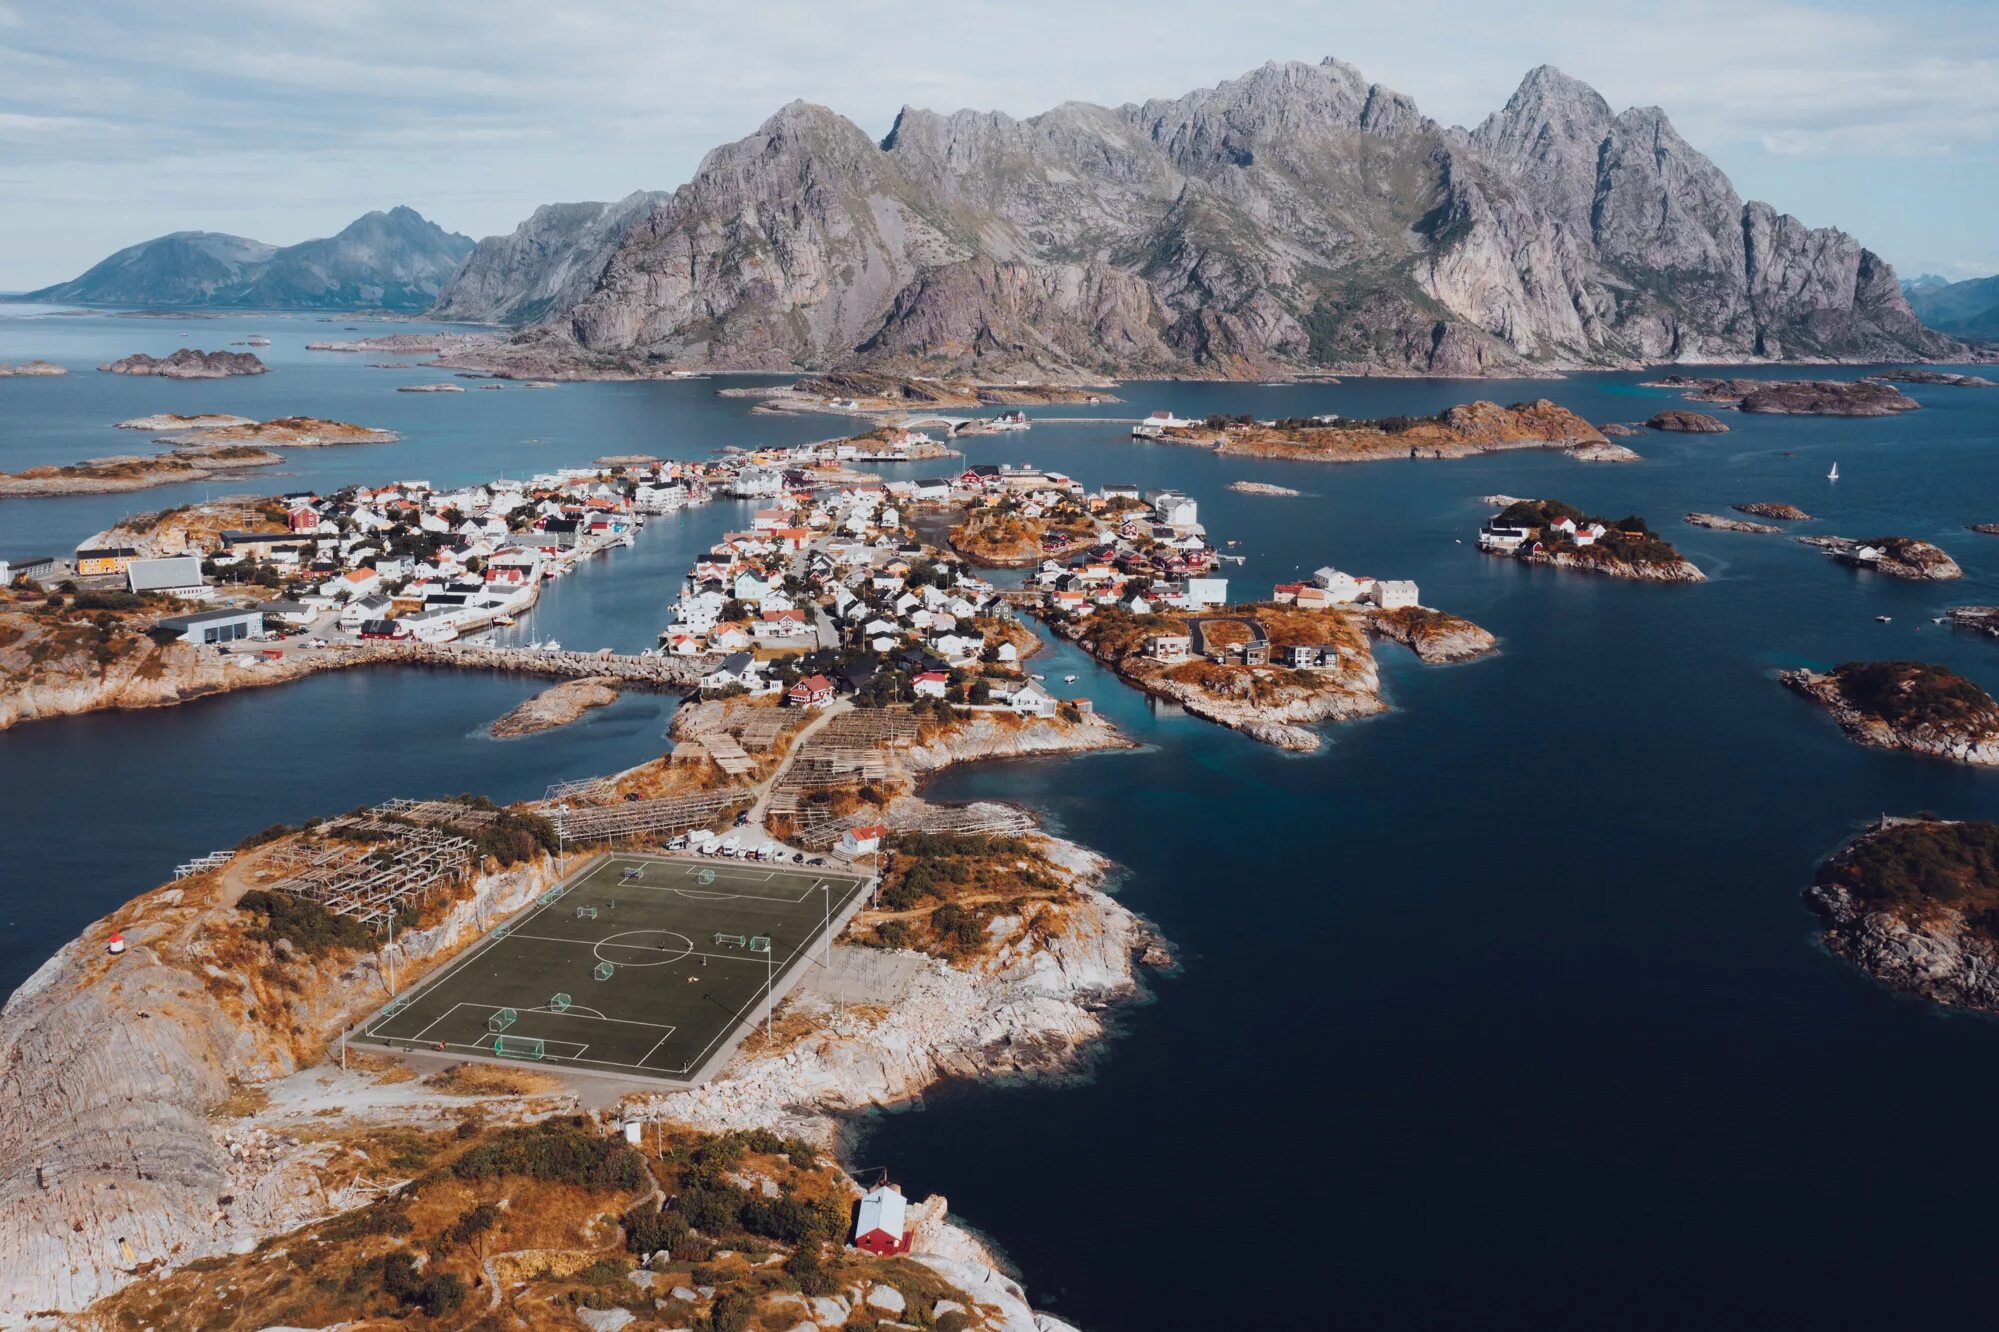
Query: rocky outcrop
1456, 432
1910, 903
1723, 524
1794, 397
1686, 423
31, 370
124, 472
1264, 488
1978, 619
556, 706
1900, 557
1432, 635
110, 1068
1296, 217
188, 363
391, 261
549, 262
1935, 377
1906, 705
1789, 513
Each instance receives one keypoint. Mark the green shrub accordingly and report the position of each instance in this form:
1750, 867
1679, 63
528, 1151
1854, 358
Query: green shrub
312, 929
515, 836
564, 1151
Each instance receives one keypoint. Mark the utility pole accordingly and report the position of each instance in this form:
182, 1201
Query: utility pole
392, 954
770, 980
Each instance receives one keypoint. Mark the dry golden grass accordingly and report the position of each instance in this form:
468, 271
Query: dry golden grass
492, 1080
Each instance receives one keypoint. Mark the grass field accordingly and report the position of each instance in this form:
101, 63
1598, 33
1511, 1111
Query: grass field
661, 960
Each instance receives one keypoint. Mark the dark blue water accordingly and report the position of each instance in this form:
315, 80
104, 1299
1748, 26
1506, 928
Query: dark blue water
1502, 1010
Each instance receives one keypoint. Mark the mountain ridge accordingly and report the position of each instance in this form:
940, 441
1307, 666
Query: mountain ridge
1299, 217
394, 260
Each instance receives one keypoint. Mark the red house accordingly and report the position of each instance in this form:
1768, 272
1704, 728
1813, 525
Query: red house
879, 1229
303, 518
814, 691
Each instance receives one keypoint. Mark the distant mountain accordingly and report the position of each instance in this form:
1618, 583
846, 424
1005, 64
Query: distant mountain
1297, 217
382, 261
1968, 309
549, 262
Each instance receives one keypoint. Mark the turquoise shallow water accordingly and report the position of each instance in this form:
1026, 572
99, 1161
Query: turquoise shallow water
1503, 1010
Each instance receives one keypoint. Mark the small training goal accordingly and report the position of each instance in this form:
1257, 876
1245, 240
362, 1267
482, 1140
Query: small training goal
518, 1047
501, 1020
603, 971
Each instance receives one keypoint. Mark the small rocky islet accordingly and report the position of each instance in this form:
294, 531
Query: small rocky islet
1793, 397
188, 363
1914, 902
1550, 532
1912, 705
1896, 556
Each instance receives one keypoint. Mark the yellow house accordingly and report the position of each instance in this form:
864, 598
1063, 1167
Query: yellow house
104, 560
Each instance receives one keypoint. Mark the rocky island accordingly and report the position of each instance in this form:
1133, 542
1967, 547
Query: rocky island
1794, 397
1563, 536
1983, 529
1264, 488
1789, 513
1936, 377
1978, 619
1457, 432
203, 447
31, 370
1686, 423
1915, 904
1906, 705
1223, 666
1900, 557
556, 706
1721, 523
869, 392
188, 363
259, 1140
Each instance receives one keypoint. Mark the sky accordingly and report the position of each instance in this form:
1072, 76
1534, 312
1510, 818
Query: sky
282, 121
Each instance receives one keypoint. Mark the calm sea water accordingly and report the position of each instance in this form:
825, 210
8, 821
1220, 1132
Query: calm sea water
1502, 1010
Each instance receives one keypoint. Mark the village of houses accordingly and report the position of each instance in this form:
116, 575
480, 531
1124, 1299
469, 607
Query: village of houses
828, 592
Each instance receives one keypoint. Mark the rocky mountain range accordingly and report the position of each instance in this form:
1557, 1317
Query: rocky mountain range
396, 260
1299, 217
1968, 309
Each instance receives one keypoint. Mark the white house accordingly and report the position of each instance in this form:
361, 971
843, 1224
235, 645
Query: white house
1393, 593
1338, 586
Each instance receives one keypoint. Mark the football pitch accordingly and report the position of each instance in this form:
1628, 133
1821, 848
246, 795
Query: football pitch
639, 965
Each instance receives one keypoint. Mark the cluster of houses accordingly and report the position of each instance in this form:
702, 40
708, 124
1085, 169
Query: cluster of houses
1151, 552
1331, 587
825, 590
1510, 538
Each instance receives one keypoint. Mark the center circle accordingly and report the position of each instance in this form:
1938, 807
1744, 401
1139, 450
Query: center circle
643, 948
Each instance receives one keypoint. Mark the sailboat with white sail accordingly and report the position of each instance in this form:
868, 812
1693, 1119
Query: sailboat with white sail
1833, 475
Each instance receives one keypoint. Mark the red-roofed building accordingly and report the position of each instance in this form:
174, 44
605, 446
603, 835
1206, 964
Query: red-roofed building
861, 841
881, 1227
814, 691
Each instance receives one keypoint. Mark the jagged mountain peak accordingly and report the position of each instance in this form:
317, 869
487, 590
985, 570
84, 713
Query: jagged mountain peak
1297, 215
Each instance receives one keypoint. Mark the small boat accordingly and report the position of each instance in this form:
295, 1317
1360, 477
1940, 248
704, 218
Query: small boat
1938, 619
1885, 619
1068, 679
1041, 677
505, 621
1833, 475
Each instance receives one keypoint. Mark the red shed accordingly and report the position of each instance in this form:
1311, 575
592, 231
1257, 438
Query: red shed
880, 1228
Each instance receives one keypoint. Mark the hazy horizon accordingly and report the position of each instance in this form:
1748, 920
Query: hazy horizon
122, 123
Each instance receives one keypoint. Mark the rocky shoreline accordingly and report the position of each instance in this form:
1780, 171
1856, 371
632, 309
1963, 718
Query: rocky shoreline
1029, 1006
1906, 705
188, 363
1721, 523
1898, 557
1463, 431
1914, 942
556, 706
1434, 636
1793, 397
36, 369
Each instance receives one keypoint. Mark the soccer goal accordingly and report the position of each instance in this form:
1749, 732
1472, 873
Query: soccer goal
603, 971
559, 1004
518, 1047
706, 876
551, 895
635, 872
586, 913
760, 943
501, 1020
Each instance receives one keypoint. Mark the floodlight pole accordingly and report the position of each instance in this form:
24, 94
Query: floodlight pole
826, 953
391, 954
770, 981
